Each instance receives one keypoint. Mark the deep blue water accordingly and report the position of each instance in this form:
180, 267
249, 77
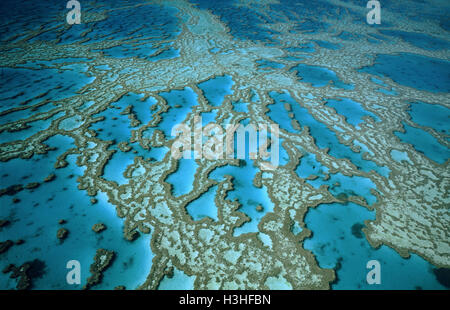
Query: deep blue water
402, 69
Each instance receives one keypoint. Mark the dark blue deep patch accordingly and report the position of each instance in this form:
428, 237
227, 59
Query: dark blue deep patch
412, 70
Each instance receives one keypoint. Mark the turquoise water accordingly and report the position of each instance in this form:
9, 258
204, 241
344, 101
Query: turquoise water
22, 114
322, 134
424, 143
244, 23
265, 64
391, 92
353, 111
114, 126
39, 85
327, 45
179, 281
155, 22
215, 89
208, 117
304, 48
248, 195
240, 106
32, 128
180, 103
116, 166
419, 39
319, 76
142, 51
430, 115
339, 243
340, 185
204, 206
35, 219
283, 156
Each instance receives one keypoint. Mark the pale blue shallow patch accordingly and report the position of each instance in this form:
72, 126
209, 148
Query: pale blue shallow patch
295, 228
179, 281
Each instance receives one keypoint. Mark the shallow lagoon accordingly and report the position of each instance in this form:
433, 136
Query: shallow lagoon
319, 76
215, 89
35, 219
339, 243
353, 111
323, 136
430, 115
248, 195
424, 143
179, 281
340, 185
